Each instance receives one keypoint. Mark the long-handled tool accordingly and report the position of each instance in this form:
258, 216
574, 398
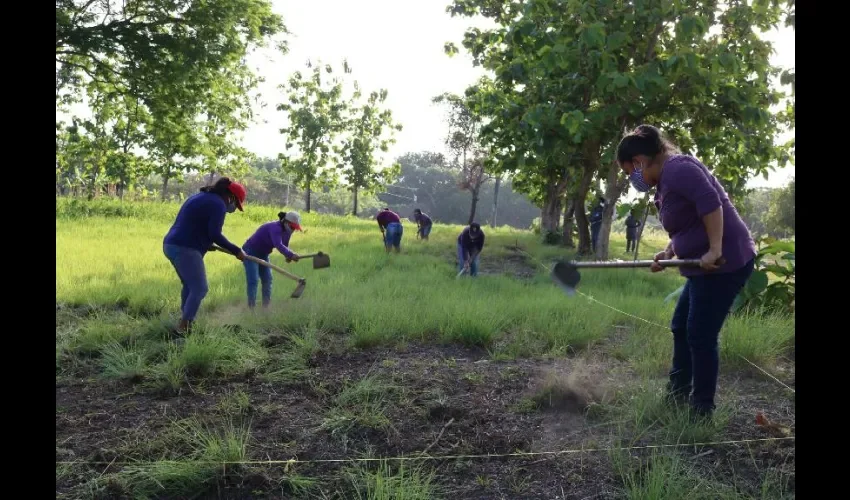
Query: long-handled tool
321, 260
302, 283
566, 275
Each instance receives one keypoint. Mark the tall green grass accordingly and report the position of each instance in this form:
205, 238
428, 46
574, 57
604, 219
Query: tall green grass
109, 254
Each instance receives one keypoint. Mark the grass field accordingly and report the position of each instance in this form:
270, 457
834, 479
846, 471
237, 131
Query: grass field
390, 356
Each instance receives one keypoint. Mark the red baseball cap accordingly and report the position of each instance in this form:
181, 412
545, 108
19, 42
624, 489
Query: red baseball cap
238, 190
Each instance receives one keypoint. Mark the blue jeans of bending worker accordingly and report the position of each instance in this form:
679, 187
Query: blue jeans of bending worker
257, 273
189, 264
473, 266
700, 313
424, 231
393, 235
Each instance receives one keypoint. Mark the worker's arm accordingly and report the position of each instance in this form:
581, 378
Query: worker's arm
214, 226
714, 227
277, 237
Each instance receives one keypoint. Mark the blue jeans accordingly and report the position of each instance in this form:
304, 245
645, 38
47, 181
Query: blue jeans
189, 264
473, 266
424, 231
700, 313
393, 235
255, 272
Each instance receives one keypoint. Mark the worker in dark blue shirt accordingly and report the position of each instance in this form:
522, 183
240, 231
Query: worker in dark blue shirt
197, 227
596, 221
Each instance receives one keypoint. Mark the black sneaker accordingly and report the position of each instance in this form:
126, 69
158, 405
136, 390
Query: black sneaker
700, 415
676, 397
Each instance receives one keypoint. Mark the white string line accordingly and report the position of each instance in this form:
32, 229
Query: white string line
294, 461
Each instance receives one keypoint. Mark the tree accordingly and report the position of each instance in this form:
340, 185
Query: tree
463, 140
143, 45
174, 144
316, 112
368, 128
173, 70
780, 220
571, 76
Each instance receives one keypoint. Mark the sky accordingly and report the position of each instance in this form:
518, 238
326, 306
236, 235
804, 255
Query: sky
396, 45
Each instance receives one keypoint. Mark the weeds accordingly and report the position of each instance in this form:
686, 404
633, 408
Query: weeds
388, 483
362, 404
204, 455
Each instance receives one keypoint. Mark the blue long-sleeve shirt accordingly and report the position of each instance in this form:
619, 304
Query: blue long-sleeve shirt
596, 215
198, 224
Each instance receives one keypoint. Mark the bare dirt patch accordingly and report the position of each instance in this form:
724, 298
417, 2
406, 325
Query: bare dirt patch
445, 401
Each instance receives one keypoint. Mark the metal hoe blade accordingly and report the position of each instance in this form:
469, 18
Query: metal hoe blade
566, 275
321, 261
302, 284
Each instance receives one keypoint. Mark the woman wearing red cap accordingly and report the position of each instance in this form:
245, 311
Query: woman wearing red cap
197, 226
266, 238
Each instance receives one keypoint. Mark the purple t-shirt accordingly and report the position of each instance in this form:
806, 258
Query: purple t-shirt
687, 191
386, 217
423, 219
269, 236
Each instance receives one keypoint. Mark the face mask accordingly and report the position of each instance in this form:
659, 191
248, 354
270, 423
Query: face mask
636, 178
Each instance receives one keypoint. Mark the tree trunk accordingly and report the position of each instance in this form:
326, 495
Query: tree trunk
211, 179
569, 210
309, 193
496, 200
642, 225
615, 184
355, 201
288, 185
164, 187
474, 204
584, 243
550, 214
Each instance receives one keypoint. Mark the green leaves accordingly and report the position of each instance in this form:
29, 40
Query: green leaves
572, 121
593, 36
164, 76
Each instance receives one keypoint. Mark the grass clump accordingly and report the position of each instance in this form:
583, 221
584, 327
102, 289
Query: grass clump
362, 404
385, 482
202, 456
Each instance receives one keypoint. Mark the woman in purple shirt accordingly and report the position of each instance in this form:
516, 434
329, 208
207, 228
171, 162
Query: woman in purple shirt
266, 238
703, 224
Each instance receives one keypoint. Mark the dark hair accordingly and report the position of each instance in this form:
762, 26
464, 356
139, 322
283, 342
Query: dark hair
281, 215
644, 140
219, 188
475, 227
417, 210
